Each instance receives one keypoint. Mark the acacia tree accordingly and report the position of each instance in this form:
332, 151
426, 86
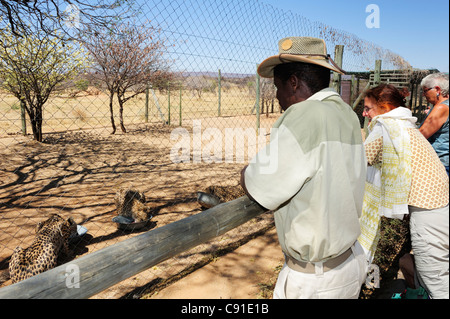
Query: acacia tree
32, 67
127, 59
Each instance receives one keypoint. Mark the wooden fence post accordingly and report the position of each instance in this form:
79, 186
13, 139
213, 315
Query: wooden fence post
338, 57
377, 73
352, 89
376, 82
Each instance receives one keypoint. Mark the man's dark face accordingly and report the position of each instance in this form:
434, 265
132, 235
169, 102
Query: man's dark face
284, 93
290, 92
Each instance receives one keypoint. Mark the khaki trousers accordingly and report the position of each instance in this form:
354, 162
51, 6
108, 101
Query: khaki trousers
429, 240
342, 282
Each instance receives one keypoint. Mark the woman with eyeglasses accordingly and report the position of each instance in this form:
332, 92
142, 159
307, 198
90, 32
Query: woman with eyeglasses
405, 177
435, 127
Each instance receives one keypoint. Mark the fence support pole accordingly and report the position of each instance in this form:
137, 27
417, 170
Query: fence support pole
161, 115
181, 115
377, 73
338, 57
95, 272
146, 104
352, 89
219, 80
376, 82
168, 104
22, 116
257, 101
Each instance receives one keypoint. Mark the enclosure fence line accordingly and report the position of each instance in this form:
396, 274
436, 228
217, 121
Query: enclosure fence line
73, 152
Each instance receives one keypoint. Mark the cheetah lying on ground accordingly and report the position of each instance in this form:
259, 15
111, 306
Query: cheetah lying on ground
131, 204
52, 235
215, 195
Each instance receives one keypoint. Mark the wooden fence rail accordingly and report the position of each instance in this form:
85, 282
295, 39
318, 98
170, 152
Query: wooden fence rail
90, 274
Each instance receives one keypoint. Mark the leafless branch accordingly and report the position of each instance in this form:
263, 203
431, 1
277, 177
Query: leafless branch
55, 18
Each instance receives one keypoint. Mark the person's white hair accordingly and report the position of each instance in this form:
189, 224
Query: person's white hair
436, 79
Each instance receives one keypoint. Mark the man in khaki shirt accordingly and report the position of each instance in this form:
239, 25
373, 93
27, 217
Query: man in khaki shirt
312, 174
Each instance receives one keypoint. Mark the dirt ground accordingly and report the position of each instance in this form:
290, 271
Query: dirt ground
78, 173
249, 272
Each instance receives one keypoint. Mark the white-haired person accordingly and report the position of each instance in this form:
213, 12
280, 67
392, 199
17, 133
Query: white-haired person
435, 127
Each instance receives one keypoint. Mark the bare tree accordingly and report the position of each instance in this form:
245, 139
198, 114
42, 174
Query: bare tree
200, 84
127, 59
66, 16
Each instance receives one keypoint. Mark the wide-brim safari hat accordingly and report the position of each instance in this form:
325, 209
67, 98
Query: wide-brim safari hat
299, 49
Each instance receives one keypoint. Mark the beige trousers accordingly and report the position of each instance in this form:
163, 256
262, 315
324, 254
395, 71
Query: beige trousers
342, 282
430, 245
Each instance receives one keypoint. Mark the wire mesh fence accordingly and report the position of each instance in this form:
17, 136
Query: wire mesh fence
191, 126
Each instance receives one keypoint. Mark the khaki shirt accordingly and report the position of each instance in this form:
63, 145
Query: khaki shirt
312, 173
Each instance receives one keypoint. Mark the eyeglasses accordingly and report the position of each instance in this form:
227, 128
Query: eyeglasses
367, 109
426, 90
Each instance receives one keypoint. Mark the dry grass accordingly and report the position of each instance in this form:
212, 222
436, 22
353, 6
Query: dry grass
63, 113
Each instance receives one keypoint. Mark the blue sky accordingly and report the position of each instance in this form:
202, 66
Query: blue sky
416, 30
235, 35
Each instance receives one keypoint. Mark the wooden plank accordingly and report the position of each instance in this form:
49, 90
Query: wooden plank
95, 272
399, 78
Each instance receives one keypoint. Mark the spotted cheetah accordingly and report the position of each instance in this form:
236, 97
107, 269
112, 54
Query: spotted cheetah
131, 203
215, 195
52, 236
226, 193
